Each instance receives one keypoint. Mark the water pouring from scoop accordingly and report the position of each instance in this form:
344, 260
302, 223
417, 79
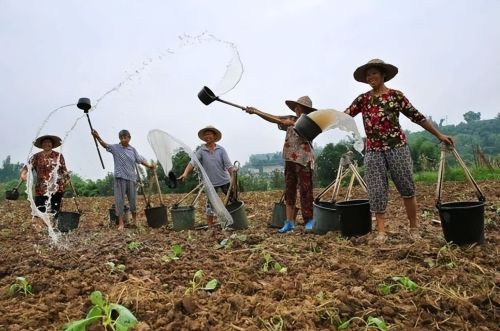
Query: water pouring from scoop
311, 125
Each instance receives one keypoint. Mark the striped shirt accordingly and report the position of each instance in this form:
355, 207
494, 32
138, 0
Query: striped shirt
125, 160
215, 163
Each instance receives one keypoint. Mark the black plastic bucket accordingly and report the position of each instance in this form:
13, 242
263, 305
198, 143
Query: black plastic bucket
355, 217
307, 128
182, 217
279, 215
112, 215
67, 221
326, 217
156, 216
237, 211
462, 222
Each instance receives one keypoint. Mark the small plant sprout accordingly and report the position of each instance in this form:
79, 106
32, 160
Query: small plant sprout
228, 242
173, 254
271, 264
21, 286
111, 316
197, 283
371, 321
114, 268
134, 245
403, 282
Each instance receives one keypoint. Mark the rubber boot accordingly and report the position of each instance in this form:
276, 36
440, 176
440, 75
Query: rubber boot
309, 225
289, 226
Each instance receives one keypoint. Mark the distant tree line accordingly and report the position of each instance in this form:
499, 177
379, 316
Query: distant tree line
473, 135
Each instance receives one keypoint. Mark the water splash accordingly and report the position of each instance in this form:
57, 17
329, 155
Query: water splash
164, 145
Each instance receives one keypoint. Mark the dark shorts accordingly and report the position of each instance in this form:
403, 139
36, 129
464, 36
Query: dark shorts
55, 202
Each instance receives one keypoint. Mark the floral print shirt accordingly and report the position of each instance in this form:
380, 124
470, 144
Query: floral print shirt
297, 149
46, 178
381, 118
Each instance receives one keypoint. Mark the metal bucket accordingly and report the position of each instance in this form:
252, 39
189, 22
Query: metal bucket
67, 221
326, 217
113, 219
307, 128
156, 216
462, 222
182, 217
355, 217
237, 211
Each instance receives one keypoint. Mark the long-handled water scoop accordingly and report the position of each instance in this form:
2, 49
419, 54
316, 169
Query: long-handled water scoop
14, 193
206, 96
84, 104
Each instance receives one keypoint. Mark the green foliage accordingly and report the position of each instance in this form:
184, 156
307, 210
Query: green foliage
21, 285
398, 281
173, 254
110, 315
228, 242
457, 174
271, 264
371, 321
197, 283
471, 116
10, 171
114, 268
134, 245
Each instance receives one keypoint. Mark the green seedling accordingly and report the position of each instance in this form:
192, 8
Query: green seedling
271, 264
21, 286
371, 321
197, 281
115, 268
134, 245
228, 242
174, 254
111, 316
403, 282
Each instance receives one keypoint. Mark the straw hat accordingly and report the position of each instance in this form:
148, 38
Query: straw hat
218, 134
56, 141
388, 69
304, 101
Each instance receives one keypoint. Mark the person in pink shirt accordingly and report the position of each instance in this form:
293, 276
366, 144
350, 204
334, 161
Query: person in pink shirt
299, 163
386, 148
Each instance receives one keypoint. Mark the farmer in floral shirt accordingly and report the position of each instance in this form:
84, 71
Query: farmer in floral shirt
386, 148
299, 163
51, 174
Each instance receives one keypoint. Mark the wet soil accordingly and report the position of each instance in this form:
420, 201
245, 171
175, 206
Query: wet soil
266, 281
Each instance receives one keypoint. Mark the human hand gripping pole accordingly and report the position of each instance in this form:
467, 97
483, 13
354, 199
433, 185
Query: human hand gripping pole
84, 104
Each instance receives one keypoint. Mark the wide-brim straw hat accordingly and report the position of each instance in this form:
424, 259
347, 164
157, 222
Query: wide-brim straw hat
218, 134
388, 69
304, 101
56, 141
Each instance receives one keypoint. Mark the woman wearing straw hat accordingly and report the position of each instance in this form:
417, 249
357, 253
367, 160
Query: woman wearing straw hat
386, 148
215, 160
51, 174
299, 163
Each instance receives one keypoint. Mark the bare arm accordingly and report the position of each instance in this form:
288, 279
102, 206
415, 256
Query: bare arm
186, 172
98, 138
280, 120
146, 164
443, 138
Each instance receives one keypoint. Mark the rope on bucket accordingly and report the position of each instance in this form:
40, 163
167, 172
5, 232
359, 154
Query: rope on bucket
468, 175
141, 185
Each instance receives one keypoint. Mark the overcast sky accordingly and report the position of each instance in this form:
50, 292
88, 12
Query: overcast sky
54, 52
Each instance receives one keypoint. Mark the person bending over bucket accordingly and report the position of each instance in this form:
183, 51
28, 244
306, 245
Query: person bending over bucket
299, 163
215, 161
386, 148
125, 158
51, 174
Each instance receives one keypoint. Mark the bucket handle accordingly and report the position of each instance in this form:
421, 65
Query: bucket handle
74, 195
233, 186
197, 188
468, 175
141, 184
158, 187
